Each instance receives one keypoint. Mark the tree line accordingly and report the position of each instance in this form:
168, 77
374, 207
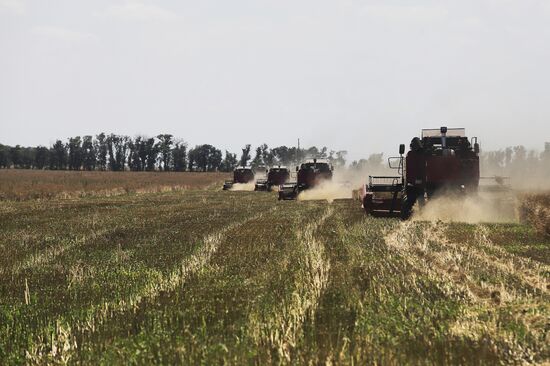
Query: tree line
517, 161
163, 152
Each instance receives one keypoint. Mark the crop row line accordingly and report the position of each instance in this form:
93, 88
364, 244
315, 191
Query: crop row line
281, 330
62, 343
427, 248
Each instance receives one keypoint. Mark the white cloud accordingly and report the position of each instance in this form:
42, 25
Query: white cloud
63, 34
406, 13
13, 6
139, 11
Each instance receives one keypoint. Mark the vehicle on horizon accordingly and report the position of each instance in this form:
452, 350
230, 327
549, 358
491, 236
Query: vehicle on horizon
309, 175
241, 175
276, 176
441, 162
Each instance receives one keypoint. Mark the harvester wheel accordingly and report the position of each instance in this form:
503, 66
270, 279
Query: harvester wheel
367, 204
409, 200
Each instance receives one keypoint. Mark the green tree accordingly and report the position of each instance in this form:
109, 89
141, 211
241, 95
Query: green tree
41, 157
5, 161
164, 146
314, 152
214, 159
100, 147
117, 147
229, 162
267, 156
245, 157
339, 160
27, 157
88, 153
179, 156
258, 160
75, 153
150, 152
134, 160
205, 158
263, 157
282, 155
16, 156
374, 164
58, 156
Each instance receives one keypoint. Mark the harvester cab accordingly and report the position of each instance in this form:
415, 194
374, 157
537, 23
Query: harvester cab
440, 160
275, 177
241, 175
308, 175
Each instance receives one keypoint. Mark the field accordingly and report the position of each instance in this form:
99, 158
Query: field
201, 276
19, 184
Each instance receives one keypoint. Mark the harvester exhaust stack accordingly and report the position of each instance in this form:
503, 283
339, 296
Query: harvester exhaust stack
443, 137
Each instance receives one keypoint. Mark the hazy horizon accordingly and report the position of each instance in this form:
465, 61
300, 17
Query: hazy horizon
361, 76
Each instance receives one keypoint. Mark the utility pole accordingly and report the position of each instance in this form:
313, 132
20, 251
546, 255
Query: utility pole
298, 153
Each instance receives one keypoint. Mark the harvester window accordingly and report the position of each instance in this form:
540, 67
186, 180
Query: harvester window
322, 167
436, 132
456, 143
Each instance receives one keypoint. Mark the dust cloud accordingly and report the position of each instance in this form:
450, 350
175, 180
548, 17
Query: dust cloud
517, 180
243, 186
525, 170
480, 208
327, 190
343, 182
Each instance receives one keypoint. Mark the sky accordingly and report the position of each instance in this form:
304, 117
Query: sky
361, 76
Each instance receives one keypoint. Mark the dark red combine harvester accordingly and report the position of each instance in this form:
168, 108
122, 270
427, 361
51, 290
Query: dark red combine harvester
275, 177
241, 174
441, 160
309, 174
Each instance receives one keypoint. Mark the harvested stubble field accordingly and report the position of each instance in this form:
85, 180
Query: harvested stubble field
22, 184
210, 277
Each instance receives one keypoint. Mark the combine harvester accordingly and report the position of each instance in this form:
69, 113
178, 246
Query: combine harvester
309, 175
241, 175
442, 161
276, 176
